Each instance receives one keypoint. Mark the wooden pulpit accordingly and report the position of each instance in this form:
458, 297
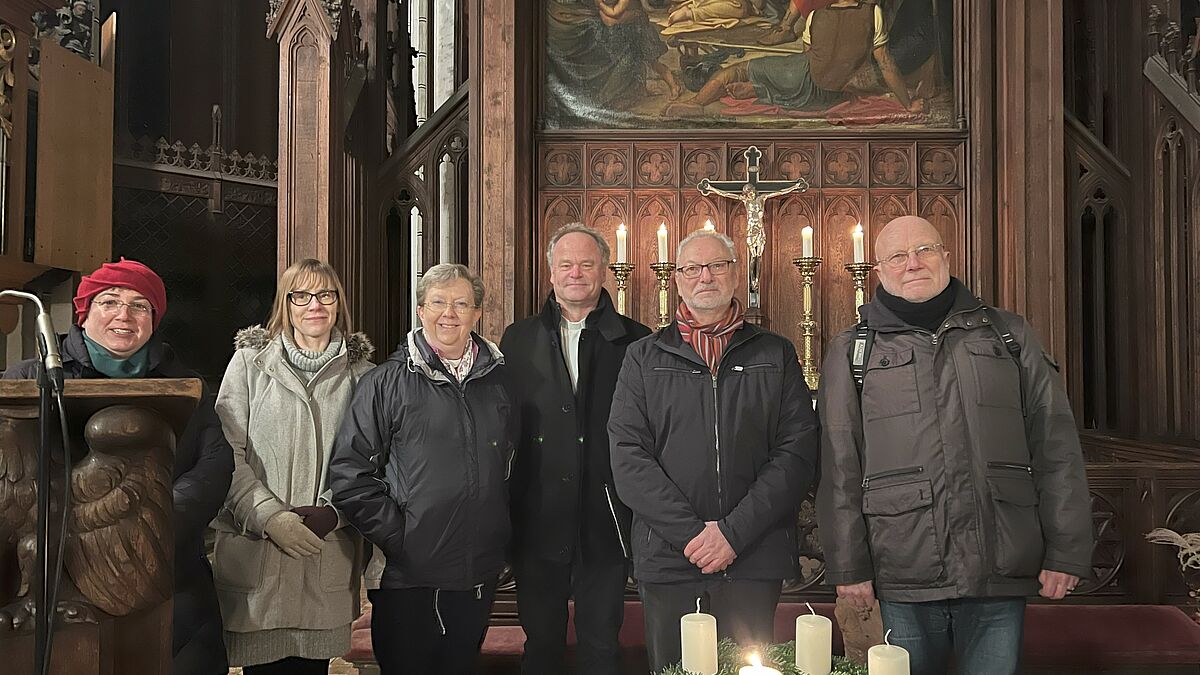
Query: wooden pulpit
114, 609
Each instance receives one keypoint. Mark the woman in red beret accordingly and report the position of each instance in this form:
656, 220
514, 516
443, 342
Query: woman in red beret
117, 309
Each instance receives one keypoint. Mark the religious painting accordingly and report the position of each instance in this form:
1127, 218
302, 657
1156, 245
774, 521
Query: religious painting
808, 64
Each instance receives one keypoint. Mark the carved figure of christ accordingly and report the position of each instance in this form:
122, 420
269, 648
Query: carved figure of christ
753, 194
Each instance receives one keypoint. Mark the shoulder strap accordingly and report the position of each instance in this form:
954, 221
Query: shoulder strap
1001, 328
1010, 342
860, 353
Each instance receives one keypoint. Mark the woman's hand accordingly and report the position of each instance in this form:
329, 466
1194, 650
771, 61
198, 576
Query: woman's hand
287, 531
320, 519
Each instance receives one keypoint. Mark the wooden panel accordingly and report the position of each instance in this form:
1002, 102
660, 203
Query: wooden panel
657, 165
74, 165
833, 210
893, 164
1029, 166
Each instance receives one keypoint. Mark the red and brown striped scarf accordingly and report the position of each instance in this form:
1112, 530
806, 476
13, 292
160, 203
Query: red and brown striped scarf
709, 340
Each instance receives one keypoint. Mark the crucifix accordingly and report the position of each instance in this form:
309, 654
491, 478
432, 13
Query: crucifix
753, 194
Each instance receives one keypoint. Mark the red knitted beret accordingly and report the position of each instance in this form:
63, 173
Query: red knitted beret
129, 274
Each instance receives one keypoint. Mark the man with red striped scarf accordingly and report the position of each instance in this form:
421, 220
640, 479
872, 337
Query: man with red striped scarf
713, 446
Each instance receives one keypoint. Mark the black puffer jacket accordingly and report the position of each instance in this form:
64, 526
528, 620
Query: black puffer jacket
420, 466
739, 448
203, 468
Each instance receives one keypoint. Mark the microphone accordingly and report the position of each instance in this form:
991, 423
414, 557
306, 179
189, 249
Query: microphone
47, 341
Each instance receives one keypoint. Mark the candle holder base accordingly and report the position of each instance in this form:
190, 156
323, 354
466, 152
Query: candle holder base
859, 272
621, 272
663, 270
808, 326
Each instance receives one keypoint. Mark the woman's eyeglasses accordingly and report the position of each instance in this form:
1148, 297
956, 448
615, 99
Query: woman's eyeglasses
302, 298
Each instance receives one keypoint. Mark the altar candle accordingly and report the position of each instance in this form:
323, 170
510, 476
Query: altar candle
621, 243
806, 241
887, 659
756, 668
662, 243
859, 253
698, 638
708, 226
814, 643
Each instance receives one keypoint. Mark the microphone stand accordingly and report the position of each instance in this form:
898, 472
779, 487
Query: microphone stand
43, 614
48, 567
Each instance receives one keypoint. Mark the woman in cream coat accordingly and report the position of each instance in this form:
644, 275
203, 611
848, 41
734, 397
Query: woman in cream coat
286, 566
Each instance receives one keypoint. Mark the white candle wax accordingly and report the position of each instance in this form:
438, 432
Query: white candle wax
621, 243
662, 243
814, 644
887, 660
859, 252
698, 638
756, 668
806, 241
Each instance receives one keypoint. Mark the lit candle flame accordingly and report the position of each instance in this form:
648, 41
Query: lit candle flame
708, 225
858, 229
754, 660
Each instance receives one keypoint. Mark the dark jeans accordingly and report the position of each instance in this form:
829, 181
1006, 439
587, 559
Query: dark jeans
983, 634
292, 665
745, 611
543, 589
428, 631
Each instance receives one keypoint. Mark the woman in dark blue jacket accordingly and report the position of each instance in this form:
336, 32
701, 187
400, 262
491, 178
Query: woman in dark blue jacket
420, 468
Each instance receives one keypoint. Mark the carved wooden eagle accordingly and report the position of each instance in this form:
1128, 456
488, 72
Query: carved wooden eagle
119, 541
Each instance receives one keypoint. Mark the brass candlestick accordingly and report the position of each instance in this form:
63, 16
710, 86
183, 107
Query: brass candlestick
808, 326
859, 272
621, 272
663, 270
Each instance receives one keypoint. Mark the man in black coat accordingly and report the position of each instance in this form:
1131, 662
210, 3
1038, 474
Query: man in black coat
118, 308
714, 445
571, 534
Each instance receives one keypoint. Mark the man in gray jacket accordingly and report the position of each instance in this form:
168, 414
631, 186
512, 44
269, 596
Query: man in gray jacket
952, 482
714, 445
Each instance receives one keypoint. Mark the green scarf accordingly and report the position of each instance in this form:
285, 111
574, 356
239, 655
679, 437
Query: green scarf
102, 360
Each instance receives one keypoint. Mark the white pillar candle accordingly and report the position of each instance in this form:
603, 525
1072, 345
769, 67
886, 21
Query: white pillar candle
698, 639
662, 243
806, 241
814, 643
709, 227
622, 236
887, 659
756, 668
859, 252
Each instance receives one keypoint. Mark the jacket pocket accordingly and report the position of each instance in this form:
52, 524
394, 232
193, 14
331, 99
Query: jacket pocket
239, 561
890, 385
1017, 540
339, 562
905, 547
997, 382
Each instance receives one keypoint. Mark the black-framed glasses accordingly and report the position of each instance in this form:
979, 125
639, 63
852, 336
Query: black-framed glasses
302, 298
716, 268
110, 306
924, 253
440, 306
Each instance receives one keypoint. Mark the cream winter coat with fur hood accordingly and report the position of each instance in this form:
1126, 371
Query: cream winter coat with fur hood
282, 431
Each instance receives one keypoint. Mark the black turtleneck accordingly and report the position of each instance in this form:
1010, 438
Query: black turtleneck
927, 315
